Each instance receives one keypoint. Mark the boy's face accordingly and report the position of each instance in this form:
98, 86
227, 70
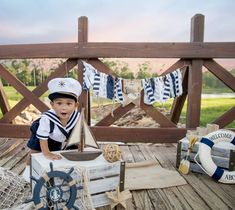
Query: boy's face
64, 107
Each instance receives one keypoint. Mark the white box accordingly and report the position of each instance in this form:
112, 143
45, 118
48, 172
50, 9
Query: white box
103, 176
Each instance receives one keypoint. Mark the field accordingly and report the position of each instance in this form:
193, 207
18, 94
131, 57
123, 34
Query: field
211, 108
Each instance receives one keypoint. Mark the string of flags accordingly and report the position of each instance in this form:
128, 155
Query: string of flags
124, 91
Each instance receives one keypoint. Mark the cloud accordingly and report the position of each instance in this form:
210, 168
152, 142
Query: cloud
124, 20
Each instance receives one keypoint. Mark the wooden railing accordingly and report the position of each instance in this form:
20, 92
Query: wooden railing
192, 57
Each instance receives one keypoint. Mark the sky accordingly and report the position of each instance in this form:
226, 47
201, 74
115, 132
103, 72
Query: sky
52, 21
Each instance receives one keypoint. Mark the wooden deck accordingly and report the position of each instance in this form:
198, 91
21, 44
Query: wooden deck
201, 192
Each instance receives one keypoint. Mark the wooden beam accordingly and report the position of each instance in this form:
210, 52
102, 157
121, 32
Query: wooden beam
194, 94
85, 96
21, 105
4, 104
20, 87
119, 50
221, 73
84, 99
226, 118
178, 103
155, 113
146, 135
110, 134
117, 113
82, 30
100, 66
14, 131
197, 28
177, 65
195, 76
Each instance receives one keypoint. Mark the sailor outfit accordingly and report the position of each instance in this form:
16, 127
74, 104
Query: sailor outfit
59, 133
49, 126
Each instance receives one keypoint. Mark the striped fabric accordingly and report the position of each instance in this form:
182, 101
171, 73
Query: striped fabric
158, 90
148, 92
103, 85
167, 88
118, 95
175, 81
88, 75
96, 85
110, 87
178, 81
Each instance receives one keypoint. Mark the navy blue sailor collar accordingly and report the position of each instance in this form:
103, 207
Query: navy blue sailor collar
51, 115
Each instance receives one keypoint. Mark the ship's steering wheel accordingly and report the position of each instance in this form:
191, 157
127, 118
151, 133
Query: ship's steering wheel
55, 190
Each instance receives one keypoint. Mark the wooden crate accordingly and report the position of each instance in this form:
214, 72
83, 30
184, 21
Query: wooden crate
223, 154
103, 176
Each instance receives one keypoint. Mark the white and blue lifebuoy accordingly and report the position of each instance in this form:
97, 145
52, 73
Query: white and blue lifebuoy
207, 164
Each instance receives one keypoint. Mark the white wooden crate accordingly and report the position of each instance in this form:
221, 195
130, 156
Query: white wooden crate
103, 176
223, 154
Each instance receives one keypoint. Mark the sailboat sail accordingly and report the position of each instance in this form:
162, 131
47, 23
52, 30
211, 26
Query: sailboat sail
75, 137
89, 138
82, 135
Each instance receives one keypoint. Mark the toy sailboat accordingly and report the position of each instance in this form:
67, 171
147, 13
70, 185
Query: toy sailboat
82, 136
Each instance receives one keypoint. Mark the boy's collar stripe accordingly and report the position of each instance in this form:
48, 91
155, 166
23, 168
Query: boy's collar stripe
71, 118
51, 112
53, 118
73, 121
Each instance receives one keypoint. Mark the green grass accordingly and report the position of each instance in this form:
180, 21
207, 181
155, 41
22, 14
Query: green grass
211, 108
12, 94
214, 91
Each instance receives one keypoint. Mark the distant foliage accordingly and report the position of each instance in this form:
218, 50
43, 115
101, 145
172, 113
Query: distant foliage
209, 81
144, 71
32, 73
122, 70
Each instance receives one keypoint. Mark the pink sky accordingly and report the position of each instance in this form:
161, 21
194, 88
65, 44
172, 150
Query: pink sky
29, 21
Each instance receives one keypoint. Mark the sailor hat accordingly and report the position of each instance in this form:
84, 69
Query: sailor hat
64, 88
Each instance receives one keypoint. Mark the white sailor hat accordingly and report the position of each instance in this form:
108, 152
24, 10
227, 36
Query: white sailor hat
64, 88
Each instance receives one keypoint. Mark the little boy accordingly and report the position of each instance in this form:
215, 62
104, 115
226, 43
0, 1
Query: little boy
56, 124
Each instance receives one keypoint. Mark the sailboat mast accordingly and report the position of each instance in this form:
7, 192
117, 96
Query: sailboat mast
82, 142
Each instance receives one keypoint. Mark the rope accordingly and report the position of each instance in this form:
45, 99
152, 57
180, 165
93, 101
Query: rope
13, 189
84, 200
112, 153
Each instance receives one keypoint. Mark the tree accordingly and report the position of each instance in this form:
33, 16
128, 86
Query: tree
23, 73
209, 81
120, 68
144, 70
125, 72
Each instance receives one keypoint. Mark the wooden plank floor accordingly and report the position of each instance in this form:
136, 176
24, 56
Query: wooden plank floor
201, 192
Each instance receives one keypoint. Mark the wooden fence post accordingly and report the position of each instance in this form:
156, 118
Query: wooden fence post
4, 104
83, 38
195, 75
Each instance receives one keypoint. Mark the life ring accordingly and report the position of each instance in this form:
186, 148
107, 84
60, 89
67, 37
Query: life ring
207, 163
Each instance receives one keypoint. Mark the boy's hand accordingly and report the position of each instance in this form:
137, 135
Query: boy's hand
52, 156
46, 152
